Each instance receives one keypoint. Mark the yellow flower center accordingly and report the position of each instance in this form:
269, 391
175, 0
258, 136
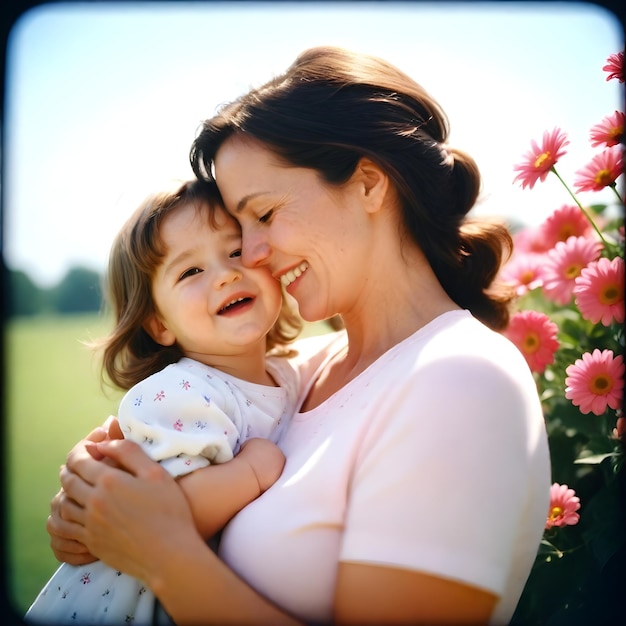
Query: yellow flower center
603, 177
555, 512
601, 385
531, 342
572, 271
541, 159
612, 294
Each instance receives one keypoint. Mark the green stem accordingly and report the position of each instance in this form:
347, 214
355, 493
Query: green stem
614, 188
561, 553
580, 206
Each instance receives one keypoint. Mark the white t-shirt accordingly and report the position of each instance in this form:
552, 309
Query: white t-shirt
435, 458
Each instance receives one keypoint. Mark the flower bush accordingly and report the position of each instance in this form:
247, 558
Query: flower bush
568, 273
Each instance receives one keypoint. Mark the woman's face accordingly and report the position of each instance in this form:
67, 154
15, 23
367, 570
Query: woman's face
313, 236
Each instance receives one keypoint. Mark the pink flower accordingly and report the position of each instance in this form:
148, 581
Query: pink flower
599, 291
601, 172
595, 381
523, 272
564, 264
541, 159
609, 131
619, 432
615, 67
530, 239
563, 506
534, 334
568, 221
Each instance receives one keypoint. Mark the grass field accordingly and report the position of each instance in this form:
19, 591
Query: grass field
52, 399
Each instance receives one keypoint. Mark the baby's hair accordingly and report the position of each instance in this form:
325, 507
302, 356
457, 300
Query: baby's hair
129, 354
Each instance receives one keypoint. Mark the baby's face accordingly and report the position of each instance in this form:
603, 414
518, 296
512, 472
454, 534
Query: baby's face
207, 301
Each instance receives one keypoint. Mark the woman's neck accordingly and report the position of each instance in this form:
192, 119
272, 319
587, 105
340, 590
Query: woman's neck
386, 315
381, 320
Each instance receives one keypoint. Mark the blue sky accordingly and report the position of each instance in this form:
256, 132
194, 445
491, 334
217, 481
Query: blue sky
104, 99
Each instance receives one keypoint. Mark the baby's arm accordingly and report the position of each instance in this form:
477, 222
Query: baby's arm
191, 425
217, 492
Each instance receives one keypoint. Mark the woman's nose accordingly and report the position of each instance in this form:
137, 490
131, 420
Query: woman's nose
255, 251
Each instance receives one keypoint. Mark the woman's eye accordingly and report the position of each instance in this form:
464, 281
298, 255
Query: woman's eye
190, 272
235, 253
266, 216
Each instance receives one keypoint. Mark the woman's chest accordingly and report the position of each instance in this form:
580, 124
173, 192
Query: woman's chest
287, 543
328, 382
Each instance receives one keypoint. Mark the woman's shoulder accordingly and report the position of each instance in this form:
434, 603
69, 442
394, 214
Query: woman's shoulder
459, 333
453, 349
470, 336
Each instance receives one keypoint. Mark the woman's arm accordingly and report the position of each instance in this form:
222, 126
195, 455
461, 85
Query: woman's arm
368, 594
137, 520
142, 524
215, 494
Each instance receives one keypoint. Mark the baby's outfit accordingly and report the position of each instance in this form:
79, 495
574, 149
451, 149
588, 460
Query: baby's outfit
187, 416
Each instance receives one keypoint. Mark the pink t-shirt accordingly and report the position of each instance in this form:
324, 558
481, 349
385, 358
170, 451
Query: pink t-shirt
435, 458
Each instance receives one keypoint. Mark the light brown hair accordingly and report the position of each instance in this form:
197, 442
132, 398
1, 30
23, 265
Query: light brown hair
129, 354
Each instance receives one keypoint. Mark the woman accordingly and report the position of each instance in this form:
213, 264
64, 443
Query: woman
417, 476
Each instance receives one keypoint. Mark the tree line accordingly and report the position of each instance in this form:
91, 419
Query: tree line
79, 291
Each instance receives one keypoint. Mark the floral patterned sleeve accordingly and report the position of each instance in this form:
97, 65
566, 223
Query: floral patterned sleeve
182, 419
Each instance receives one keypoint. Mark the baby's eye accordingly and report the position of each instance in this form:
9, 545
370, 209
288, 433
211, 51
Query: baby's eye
190, 272
235, 253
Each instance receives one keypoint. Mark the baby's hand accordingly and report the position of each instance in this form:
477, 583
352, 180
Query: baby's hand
109, 430
266, 460
113, 429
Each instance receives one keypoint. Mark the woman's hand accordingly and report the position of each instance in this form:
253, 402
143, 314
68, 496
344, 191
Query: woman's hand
129, 514
135, 517
64, 531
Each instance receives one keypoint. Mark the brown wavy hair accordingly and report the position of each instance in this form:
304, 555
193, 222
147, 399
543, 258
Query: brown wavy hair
331, 108
129, 354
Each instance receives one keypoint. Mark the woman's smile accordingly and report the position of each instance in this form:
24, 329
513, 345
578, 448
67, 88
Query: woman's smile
291, 275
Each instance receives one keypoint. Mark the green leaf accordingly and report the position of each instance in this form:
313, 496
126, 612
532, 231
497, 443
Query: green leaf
595, 458
547, 548
597, 208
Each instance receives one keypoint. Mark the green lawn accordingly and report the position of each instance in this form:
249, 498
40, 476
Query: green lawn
52, 399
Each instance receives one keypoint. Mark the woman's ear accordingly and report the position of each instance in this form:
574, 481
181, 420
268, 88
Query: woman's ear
373, 183
158, 331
